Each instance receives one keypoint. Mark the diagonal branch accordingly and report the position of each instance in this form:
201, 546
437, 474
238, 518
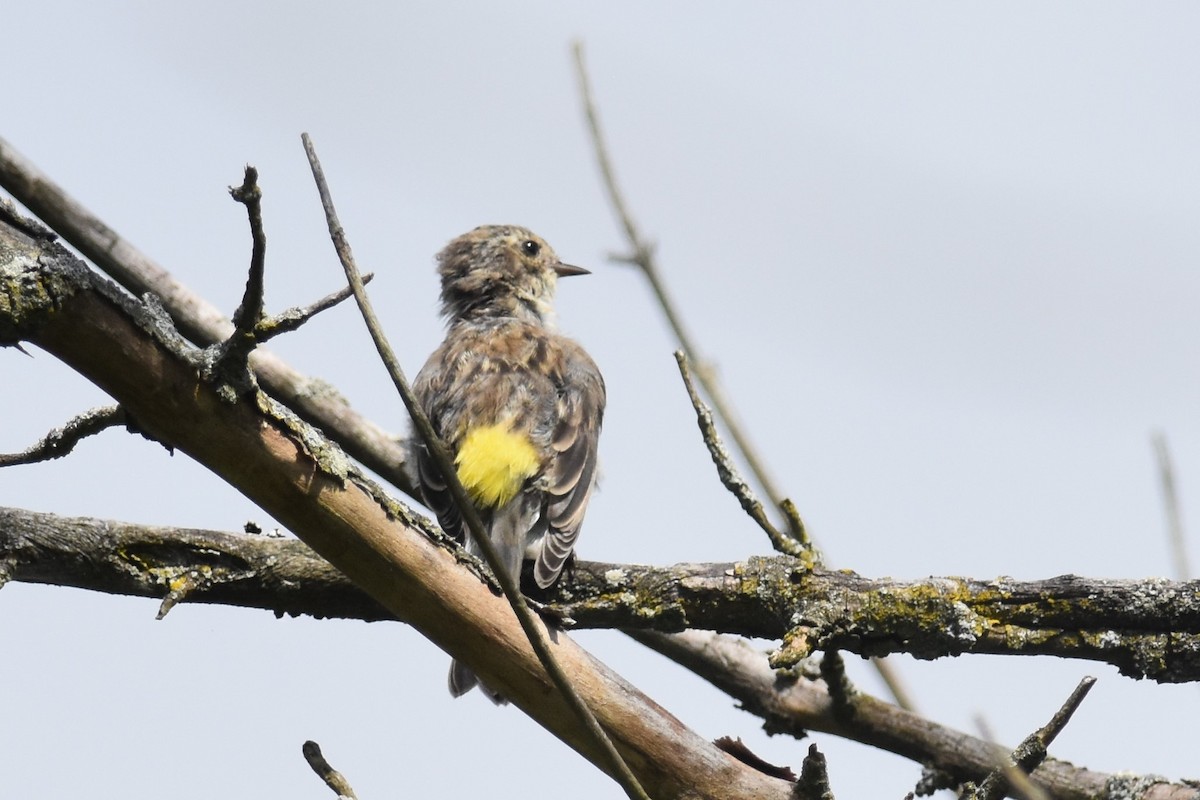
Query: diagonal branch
532, 626
795, 542
642, 257
198, 320
1015, 769
291, 319
51, 300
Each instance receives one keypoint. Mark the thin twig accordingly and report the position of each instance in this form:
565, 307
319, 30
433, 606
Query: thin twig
198, 320
235, 350
1018, 782
529, 622
738, 749
643, 258
290, 319
333, 779
1175, 534
895, 686
731, 479
1050, 731
250, 195
61, 441
1029, 755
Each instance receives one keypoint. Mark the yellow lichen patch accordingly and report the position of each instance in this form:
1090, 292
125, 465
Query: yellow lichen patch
494, 463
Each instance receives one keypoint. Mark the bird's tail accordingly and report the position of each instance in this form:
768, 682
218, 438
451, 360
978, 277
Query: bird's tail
463, 680
507, 529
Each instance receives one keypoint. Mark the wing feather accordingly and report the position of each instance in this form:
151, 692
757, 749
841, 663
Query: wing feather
571, 473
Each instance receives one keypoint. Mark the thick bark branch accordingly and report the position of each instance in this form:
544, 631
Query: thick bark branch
285, 576
197, 319
279, 574
292, 474
1147, 629
49, 299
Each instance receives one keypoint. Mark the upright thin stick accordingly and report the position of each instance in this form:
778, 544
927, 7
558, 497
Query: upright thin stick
508, 583
642, 257
1175, 535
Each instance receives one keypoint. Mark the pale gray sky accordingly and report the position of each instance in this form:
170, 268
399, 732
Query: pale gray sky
944, 256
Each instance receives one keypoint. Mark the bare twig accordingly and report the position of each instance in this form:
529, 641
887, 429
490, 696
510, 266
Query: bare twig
235, 351
1030, 754
61, 441
1015, 780
738, 749
529, 622
333, 779
643, 258
251, 309
290, 319
1050, 731
1175, 534
198, 320
731, 479
895, 685
251, 323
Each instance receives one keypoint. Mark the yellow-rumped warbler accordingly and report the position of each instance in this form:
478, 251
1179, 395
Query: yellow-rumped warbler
518, 405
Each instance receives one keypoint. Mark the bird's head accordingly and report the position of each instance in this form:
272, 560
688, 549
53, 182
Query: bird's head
500, 270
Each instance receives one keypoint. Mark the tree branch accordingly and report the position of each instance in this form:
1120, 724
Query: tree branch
642, 257
1148, 628
285, 576
793, 543
198, 320
49, 299
1014, 770
535, 630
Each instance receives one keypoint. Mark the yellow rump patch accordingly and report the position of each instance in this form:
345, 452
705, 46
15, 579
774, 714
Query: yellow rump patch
494, 463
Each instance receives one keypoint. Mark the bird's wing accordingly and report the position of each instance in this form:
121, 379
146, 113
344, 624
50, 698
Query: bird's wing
571, 473
428, 388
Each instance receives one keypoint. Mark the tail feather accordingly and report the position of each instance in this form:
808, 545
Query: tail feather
507, 530
463, 680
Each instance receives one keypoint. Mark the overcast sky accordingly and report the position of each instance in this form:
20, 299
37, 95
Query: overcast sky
943, 255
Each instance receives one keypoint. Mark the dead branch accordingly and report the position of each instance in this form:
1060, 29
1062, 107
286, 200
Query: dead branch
51, 300
285, 576
198, 320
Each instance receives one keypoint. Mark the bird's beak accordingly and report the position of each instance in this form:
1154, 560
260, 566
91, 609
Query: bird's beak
565, 270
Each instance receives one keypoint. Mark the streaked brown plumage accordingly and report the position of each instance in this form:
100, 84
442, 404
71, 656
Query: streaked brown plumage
518, 404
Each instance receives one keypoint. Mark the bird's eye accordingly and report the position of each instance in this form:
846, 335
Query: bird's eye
530, 248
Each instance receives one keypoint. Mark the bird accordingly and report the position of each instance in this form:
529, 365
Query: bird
518, 405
